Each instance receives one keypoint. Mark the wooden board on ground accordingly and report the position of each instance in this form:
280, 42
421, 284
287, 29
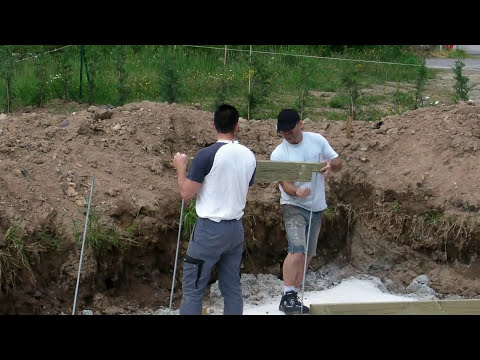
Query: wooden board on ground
430, 307
271, 171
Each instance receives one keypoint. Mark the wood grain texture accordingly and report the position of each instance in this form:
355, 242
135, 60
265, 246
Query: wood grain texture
434, 307
271, 171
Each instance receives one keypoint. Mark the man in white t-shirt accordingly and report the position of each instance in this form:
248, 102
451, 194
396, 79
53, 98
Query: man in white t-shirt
298, 199
220, 176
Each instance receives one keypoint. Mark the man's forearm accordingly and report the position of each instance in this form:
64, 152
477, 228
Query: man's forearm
181, 178
288, 187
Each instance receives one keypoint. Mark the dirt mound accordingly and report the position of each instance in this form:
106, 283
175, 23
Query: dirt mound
406, 203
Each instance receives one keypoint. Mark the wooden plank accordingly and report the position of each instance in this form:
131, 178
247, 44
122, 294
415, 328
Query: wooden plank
271, 171
429, 307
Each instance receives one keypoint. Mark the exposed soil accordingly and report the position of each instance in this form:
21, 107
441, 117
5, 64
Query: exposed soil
406, 203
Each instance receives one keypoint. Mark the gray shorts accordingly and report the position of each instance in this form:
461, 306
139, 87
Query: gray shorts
296, 221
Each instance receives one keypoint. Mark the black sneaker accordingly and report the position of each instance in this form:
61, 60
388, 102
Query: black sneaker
290, 304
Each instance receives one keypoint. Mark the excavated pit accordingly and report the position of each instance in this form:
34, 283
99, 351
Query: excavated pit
406, 203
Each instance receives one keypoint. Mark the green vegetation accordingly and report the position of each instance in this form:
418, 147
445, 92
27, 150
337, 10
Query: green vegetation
457, 54
189, 219
50, 241
351, 84
13, 256
102, 236
259, 84
403, 100
432, 218
121, 74
461, 82
397, 206
170, 87
306, 81
420, 85
7, 66
330, 213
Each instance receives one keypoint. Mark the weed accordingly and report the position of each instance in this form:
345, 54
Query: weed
170, 85
403, 100
461, 82
351, 86
102, 237
50, 241
420, 85
189, 219
121, 73
335, 116
306, 72
14, 251
132, 230
432, 218
397, 206
7, 65
41, 74
457, 54
339, 101
329, 213
259, 76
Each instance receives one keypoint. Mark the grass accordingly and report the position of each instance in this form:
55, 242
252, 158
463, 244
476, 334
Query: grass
102, 237
450, 53
196, 74
189, 219
329, 213
13, 256
432, 218
336, 116
61, 108
397, 206
50, 241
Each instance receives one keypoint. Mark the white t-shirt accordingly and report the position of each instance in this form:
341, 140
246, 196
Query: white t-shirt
313, 148
226, 170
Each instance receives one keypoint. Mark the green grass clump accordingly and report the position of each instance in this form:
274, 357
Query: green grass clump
189, 219
13, 256
102, 236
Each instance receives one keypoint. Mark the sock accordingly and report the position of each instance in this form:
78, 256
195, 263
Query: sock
296, 289
287, 288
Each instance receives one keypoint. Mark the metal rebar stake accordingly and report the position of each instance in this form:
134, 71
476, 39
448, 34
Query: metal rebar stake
83, 245
176, 257
308, 234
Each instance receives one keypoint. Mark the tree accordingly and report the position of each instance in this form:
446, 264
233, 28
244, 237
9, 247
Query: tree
461, 82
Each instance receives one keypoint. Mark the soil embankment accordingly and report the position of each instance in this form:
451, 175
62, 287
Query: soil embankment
406, 203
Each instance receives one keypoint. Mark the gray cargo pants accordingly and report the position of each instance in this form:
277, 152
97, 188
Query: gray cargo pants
212, 244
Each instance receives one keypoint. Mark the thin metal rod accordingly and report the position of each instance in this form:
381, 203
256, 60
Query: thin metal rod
308, 234
176, 257
83, 244
249, 82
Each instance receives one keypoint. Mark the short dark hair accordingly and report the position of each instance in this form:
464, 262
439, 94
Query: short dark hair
225, 118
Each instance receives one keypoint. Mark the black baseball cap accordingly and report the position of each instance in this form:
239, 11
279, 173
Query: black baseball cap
287, 120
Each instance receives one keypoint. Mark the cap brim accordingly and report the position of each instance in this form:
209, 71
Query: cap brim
283, 128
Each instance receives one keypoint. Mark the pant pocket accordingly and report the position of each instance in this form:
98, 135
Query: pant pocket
192, 269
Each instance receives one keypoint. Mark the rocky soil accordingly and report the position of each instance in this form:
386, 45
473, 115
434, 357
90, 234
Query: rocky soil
406, 203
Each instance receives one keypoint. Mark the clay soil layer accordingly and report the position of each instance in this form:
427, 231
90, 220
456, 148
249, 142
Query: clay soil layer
406, 203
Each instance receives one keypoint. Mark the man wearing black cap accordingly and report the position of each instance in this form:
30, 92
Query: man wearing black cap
299, 199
